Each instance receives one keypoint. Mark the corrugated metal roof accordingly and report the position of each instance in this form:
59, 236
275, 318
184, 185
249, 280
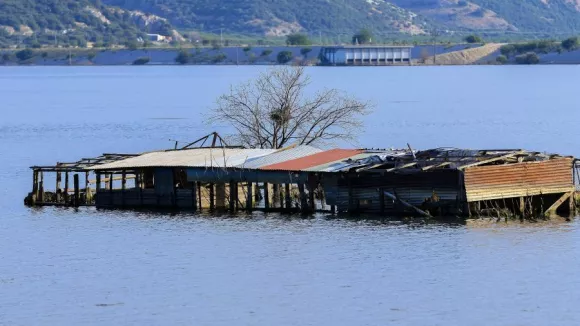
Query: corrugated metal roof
304, 163
342, 164
197, 157
281, 156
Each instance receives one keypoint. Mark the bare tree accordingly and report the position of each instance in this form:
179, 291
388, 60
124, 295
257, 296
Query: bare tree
273, 111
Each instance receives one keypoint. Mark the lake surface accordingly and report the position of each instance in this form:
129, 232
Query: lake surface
88, 267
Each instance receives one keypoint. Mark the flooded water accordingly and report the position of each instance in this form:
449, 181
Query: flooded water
88, 267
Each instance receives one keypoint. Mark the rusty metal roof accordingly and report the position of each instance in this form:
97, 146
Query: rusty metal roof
280, 156
311, 161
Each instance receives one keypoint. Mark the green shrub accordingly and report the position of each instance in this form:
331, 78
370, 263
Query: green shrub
284, 57
183, 57
530, 58
25, 54
473, 39
266, 52
501, 59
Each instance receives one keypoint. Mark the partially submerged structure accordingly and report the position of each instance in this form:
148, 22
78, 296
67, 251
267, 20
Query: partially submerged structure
443, 181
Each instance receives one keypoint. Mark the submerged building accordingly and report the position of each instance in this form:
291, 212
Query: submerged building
443, 181
365, 55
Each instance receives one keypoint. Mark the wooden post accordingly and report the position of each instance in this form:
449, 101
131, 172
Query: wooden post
249, 197
522, 207
266, 197
57, 191
233, 198
333, 209
139, 185
220, 196
312, 203
41, 187
194, 196
123, 186
98, 177
35, 182
88, 195
276, 196
65, 191
211, 197
287, 194
280, 196
199, 195
303, 203
110, 183
77, 193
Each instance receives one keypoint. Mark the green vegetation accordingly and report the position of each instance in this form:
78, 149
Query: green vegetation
25, 54
571, 43
284, 57
73, 23
266, 52
218, 58
473, 39
364, 36
337, 16
502, 59
528, 59
141, 61
297, 39
183, 57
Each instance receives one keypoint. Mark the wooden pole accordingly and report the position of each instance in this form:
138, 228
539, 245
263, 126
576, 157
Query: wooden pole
123, 187
266, 197
194, 197
66, 188
41, 187
98, 177
249, 198
312, 203
57, 191
303, 203
77, 193
287, 194
276, 196
233, 198
88, 195
111, 201
211, 197
199, 195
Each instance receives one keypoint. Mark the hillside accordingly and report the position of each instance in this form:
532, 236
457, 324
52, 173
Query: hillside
73, 22
274, 18
345, 16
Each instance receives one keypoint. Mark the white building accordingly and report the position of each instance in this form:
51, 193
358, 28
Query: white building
366, 55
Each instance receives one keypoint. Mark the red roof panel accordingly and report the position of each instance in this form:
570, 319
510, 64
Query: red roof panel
310, 161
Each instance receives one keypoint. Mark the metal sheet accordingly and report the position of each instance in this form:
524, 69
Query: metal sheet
517, 180
314, 160
281, 156
198, 157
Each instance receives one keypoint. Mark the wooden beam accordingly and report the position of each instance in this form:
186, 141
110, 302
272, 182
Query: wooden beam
404, 166
406, 204
435, 166
552, 209
491, 160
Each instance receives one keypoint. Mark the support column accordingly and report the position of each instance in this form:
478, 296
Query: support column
303, 203
41, 187
249, 197
211, 197
312, 203
287, 195
199, 202
88, 194
35, 184
123, 186
65, 191
57, 191
110, 183
194, 196
233, 198
522, 206
77, 193
98, 181
266, 197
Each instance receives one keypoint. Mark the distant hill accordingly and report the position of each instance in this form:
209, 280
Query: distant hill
110, 22
345, 16
73, 22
